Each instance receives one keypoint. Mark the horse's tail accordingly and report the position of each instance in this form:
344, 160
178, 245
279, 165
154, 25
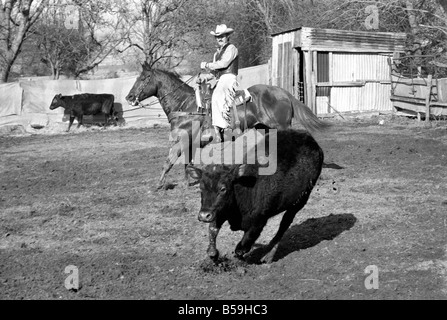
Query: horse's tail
306, 117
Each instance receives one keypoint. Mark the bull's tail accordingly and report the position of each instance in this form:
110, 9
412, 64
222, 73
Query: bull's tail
306, 117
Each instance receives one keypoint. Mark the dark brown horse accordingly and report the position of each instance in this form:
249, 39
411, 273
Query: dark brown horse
271, 107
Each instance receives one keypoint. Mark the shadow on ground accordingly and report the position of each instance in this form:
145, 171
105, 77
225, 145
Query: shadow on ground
306, 235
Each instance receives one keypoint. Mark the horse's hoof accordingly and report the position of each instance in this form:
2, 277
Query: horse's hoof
169, 186
194, 183
159, 188
268, 258
239, 255
213, 254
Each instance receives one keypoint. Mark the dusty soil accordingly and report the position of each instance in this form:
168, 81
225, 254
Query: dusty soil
87, 199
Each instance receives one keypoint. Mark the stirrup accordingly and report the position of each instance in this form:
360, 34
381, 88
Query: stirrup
242, 96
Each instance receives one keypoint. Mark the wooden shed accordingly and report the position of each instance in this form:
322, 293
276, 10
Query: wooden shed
336, 70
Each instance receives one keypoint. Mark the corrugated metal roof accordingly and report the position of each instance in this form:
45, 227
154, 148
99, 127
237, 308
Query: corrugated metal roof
285, 31
340, 40
344, 40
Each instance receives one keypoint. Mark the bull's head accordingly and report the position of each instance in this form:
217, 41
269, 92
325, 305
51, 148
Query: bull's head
143, 88
56, 102
217, 187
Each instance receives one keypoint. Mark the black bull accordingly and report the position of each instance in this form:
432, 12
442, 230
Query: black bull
246, 198
271, 107
79, 105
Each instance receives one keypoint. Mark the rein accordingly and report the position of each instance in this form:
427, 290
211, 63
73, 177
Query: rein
140, 105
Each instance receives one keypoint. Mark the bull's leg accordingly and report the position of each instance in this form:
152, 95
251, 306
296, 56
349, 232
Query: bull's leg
248, 240
113, 118
70, 123
212, 251
79, 121
107, 118
174, 154
286, 221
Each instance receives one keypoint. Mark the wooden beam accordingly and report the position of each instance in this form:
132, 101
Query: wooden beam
308, 78
390, 74
427, 99
314, 81
280, 63
288, 66
296, 73
437, 103
331, 68
341, 84
407, 99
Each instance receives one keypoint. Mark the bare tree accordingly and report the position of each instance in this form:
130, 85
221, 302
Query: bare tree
428, 22
424, 21
257, 20
54, 37
75, 37
102, 30
159, 30
17, 17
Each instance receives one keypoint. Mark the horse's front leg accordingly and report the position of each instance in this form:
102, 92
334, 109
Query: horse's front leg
189, 183
174, 153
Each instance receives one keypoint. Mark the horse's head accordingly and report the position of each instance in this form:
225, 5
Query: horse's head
144, 87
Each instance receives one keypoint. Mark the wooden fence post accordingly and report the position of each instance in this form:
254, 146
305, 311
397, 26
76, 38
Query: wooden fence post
427, 99
390, 65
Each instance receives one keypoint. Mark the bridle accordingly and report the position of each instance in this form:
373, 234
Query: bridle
145, 83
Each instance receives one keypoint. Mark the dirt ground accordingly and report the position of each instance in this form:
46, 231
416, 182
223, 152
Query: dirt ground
86, 199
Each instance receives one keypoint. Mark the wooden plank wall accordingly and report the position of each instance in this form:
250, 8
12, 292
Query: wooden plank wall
283, 61
285, 66
288, 67
279, 62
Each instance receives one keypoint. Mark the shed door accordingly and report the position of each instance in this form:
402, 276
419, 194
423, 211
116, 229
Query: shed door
285, 66
323, 92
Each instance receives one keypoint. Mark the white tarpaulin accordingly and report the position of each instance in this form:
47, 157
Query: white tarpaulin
38, 95
28, 101
10, 99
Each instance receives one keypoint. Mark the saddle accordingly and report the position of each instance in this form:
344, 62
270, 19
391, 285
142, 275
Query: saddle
203, 97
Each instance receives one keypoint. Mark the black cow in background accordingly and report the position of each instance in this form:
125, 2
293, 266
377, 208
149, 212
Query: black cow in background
238, 194
79, 105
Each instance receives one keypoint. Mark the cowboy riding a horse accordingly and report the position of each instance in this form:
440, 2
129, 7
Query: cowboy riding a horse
261, 106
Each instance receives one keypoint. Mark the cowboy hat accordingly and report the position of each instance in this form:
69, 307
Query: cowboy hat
221, 29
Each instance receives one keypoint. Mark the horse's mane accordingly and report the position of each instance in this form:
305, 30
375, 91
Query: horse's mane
172, 82
172, 74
